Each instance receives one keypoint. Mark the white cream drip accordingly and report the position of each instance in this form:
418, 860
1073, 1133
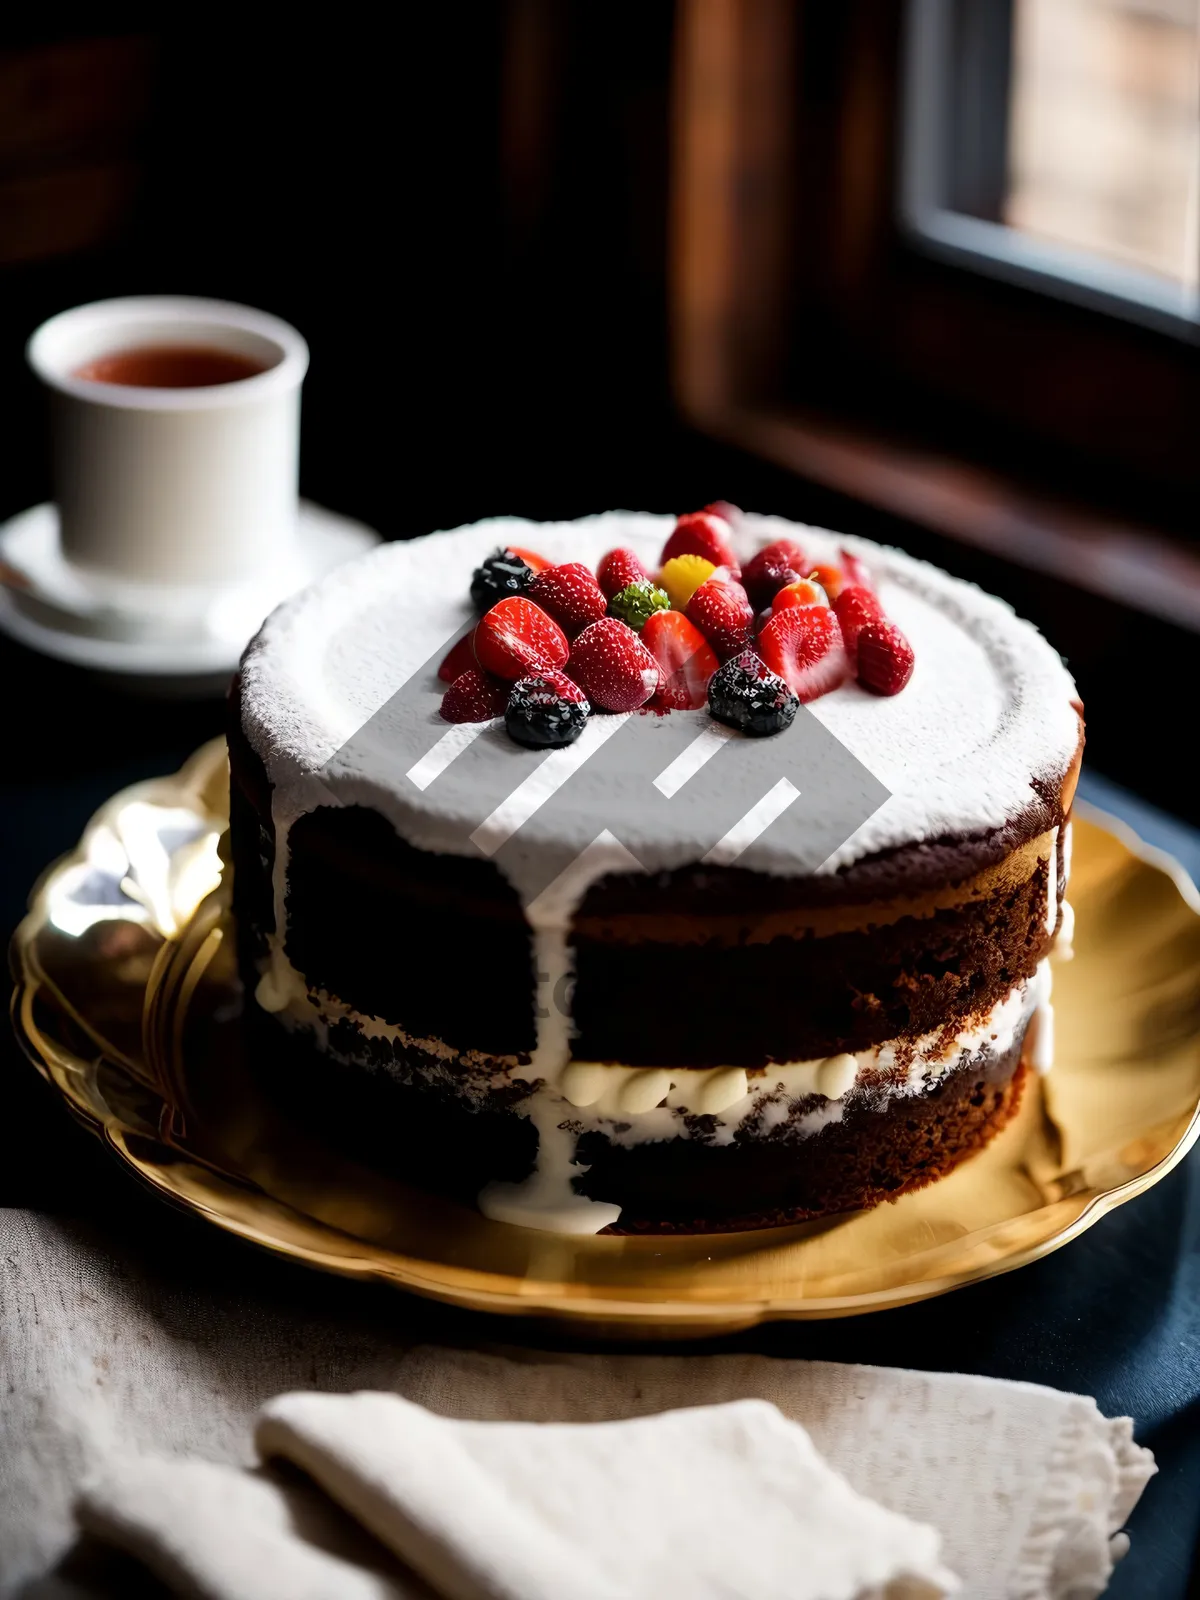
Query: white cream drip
985, 682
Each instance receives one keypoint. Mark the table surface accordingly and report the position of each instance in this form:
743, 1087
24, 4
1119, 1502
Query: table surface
1116, 1314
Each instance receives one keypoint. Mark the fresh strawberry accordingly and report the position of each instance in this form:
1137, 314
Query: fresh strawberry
618, 569
804, 592
685, 658
569, 594
565, 688
855, 607
474, 697
803, 644
612, 666
461, 656
885, 658
724, 615
726, 510
701, 533
832, 579
532, 560
855, 569
517, 638
774, 565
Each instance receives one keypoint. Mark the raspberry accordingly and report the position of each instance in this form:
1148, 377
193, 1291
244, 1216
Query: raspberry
546, 711
613, 667
618, 569
768, 571
569, 594
701, 533
503, 573
473, 697
721, 611
855, 607
746, 694
803, 644
517, 638
682, 576
460, 657
685, 659
636, 602
885, 658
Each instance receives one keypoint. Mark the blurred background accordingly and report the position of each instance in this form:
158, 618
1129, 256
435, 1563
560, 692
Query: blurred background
925, 271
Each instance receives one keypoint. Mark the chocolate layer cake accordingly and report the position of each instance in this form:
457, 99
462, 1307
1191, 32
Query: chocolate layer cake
668, 976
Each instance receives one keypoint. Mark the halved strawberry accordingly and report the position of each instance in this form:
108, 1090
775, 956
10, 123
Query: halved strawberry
618, 569
803, 644
722, 611
612, 666
460, 657
532, 560
855, 607
701, 533
516, 638
474, 697
804, 592
855, 568
885, 658
773, 566
570, 594
685, 659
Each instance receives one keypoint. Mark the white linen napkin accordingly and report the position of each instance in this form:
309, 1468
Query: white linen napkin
103, 1363
711, 1503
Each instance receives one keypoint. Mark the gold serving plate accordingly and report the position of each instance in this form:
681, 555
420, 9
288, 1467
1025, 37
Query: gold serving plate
126, 999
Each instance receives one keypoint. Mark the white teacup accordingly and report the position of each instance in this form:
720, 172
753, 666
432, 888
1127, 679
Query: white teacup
173, 486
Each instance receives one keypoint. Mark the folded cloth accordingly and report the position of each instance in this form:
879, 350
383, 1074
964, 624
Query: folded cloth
103, 1360
710, 1503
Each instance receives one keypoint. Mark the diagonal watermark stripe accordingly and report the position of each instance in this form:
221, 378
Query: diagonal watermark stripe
448, 748
688, 763
753, 825
542, 784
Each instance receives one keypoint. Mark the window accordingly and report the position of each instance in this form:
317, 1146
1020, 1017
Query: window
1057, 143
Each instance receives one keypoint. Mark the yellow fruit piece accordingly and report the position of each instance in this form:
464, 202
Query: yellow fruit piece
682, 576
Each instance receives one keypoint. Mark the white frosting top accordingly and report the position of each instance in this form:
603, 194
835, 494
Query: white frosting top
988, 705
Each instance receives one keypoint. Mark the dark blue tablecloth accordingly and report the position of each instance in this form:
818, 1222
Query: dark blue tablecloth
1115, 1315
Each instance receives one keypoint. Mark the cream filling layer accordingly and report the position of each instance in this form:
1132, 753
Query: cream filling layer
638, 1105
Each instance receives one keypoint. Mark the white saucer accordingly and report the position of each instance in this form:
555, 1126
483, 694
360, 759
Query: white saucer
180, 639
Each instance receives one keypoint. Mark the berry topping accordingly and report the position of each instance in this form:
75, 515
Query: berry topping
569, 594
774, 565
855, 607
721, 611
636, 602
532, 560
473, 697
803, 644
727, 510
685, 658
460, 657
618, 569
613, 667
546, 711
503, 573
682, 576
517, 638
855, 569
702, 533
746, 694
832, 579
804, 592
885, 658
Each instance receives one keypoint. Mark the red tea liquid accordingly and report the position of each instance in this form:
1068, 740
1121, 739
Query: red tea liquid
170, 366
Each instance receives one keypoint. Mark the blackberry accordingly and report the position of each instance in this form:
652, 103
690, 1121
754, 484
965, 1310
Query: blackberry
637, 602
546, 711
746, 694
502, 574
